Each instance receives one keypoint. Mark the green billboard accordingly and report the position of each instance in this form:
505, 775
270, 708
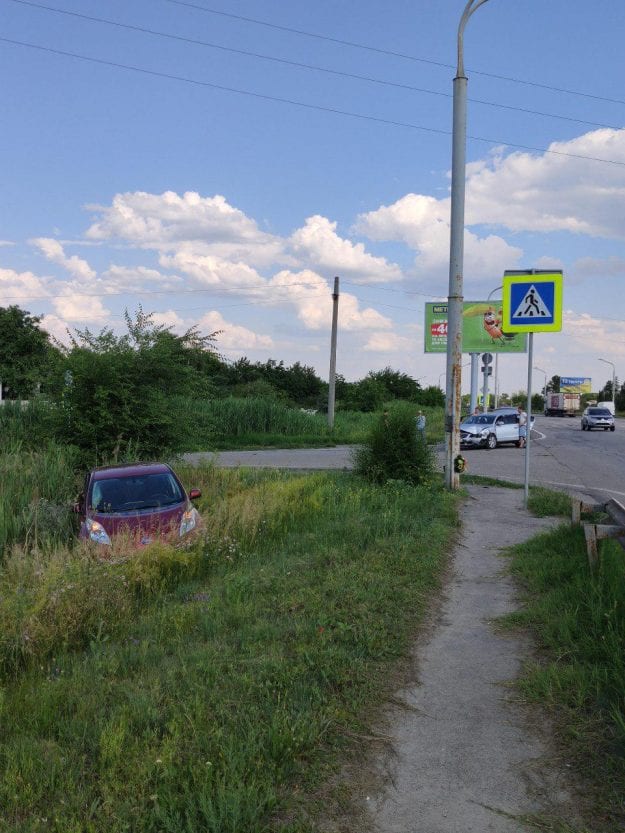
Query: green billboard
481, 329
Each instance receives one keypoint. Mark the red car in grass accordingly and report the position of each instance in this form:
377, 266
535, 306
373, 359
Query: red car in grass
140, 502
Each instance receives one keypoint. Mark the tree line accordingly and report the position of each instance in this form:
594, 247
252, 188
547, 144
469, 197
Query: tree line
110, 390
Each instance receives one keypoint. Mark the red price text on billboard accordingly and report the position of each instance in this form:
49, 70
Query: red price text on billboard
438, 328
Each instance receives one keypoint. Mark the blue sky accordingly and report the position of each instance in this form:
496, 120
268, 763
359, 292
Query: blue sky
224, 189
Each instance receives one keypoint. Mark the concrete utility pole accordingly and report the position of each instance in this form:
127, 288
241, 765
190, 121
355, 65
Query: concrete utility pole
332, 380
453, 401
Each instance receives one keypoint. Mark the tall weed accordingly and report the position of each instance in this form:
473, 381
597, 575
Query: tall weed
37, 489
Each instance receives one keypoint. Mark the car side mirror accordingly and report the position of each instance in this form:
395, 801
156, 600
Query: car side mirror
194, 494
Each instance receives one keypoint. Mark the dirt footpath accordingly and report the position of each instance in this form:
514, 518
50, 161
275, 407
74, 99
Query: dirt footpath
462, 757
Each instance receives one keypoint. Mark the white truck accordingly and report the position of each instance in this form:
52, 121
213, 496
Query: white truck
562, 404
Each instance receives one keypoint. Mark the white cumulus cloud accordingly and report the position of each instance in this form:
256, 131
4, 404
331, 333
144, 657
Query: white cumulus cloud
422, 222
311, 296
548, 192
169, 222
54, 252
318, 245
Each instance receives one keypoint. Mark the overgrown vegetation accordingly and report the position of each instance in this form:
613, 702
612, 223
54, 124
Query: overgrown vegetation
117, 396
578, 619
233, 422
216, 688
395, 450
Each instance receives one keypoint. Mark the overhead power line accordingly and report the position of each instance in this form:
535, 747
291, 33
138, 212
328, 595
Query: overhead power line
297, 64
295, 103
321, 292
389, 52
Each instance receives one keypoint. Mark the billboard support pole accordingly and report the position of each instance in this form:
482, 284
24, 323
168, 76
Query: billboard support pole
474, 382
496, 380
486, 368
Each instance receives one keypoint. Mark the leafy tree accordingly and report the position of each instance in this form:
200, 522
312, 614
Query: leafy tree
26, 354
298, 383
398, 385
553, 384
538, 403
366, 395
605, 394
431, 396
115, 391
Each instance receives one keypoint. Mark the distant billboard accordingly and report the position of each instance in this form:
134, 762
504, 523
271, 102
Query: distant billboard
575, 384
481, 329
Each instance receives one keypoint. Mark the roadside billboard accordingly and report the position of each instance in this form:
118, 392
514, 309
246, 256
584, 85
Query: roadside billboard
575, 384
481, 329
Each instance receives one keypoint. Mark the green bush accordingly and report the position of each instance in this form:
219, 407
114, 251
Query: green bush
394, 450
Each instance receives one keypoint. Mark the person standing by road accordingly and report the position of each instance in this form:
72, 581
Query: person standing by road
420, 420
522, 417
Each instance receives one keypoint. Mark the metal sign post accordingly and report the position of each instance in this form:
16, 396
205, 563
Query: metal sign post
531, 303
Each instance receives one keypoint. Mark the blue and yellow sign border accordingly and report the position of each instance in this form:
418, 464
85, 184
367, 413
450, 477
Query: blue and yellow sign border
529, 277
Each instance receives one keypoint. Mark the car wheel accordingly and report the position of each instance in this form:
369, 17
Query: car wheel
612, 428
583, 427
491, 442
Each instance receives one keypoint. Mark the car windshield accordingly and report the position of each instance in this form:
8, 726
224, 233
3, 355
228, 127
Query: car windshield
142, 491
480, 419
599, 412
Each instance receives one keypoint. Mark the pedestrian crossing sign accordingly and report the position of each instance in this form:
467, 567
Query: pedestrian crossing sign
532, 302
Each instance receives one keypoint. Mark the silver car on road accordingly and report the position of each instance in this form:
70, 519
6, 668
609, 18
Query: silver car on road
489, 430
594, 417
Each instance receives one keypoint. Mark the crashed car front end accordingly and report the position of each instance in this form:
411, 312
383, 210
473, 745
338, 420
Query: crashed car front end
473, 436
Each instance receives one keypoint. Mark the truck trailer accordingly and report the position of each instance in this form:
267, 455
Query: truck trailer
562, 404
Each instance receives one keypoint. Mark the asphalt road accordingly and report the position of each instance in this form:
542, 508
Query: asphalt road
562, 456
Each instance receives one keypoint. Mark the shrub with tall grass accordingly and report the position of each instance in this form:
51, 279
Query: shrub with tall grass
395, 450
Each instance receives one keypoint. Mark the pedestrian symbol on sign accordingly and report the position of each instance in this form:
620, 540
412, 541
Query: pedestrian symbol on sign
532, 306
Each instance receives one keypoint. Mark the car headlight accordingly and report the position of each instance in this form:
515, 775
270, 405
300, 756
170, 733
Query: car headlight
97, 532
188, 522
484, 432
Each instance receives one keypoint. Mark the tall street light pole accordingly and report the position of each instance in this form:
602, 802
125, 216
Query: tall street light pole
453, 402
605, 361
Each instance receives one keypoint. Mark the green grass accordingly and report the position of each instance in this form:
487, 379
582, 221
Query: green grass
255, 422
578, 619
217, 688
37, 487
545, 502
258, 422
